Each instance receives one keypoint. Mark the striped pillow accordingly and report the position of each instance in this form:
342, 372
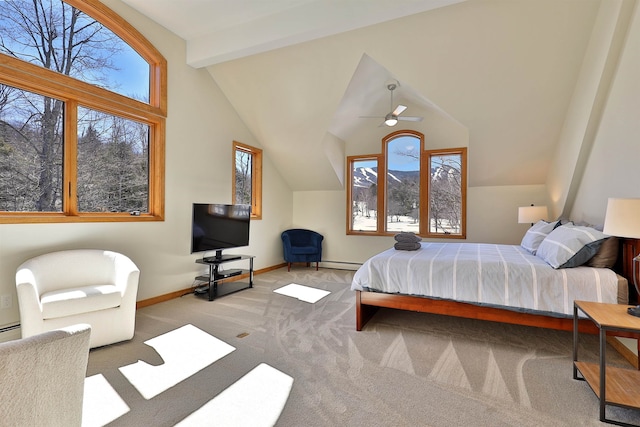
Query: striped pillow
536, 234
570, 246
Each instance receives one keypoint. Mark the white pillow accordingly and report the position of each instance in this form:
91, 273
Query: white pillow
536, 234
570, 246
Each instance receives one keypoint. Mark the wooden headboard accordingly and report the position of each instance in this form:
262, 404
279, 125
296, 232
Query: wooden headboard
629, 248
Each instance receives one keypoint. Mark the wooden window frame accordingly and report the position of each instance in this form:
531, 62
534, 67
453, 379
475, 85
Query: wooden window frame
380, 203
256, 177
33, 78
385, 146
425, 213
425, 178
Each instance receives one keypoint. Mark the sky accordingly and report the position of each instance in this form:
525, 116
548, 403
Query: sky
130, 79
397, 162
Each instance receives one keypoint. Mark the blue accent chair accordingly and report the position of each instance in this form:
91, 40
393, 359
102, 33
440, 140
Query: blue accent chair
300, 245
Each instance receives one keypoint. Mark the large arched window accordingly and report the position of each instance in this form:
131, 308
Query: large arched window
82, 115
416, 190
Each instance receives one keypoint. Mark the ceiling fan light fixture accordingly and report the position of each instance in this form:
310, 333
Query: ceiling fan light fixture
391, 120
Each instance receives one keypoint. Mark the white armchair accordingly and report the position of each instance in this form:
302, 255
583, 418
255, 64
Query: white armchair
91, 286
42, 378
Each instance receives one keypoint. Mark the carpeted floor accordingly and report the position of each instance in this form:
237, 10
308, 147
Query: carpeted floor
404, 369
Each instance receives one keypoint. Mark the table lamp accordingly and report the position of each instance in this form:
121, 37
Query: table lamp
532, 214
623, 220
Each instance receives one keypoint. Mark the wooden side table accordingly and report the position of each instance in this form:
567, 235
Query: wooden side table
612, 385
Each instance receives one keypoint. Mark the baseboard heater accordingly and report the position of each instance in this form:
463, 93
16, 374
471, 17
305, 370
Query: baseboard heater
9, 328
340, 265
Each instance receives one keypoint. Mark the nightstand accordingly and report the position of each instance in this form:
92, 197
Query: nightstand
612, 385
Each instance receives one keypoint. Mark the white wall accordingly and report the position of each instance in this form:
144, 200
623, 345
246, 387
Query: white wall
201, 126
612, 168
583, 116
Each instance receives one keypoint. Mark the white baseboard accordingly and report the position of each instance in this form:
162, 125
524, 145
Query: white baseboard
10, 333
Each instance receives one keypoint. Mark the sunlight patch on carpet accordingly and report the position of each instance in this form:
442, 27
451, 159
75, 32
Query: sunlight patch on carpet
303, 293
494, 383
449, 370
101, 404
255, 400
185, 351
397, 356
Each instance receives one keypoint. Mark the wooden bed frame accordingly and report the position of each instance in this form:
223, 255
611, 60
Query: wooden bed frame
367, 303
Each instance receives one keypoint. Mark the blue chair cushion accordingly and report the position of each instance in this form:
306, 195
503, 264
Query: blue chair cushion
304, 250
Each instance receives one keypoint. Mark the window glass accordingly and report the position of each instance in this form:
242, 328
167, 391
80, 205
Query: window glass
247, 177
446, 193
364, 195
59, 37
30, 151
113, 163
71, 148
243, 177
403, 184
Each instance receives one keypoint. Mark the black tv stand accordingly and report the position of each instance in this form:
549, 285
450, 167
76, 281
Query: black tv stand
222, 258
219, 257
217, 276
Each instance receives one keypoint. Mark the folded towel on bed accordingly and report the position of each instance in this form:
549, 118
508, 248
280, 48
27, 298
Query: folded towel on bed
407, 246
406, 237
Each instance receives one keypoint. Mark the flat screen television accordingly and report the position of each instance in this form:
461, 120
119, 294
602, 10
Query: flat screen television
216, 227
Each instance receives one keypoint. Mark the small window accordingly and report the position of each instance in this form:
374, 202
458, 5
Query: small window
247, 177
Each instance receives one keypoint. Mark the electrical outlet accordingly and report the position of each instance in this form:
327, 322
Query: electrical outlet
6, 301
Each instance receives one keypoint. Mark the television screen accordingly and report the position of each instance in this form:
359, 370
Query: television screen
216, 227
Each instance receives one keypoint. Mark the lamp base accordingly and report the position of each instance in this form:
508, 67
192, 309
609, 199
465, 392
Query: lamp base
634, 311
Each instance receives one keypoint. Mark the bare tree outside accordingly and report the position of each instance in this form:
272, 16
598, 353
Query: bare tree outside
113, 171
61, 38
441, 212
445, 195
243, 177
364, 195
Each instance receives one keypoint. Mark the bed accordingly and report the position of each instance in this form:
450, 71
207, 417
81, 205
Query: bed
504, 283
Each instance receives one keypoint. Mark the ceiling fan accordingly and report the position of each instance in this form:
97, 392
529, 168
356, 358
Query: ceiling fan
392, 118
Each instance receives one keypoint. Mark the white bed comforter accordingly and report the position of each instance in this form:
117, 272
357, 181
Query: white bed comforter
488, 274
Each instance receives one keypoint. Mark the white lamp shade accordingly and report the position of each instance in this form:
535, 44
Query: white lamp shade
532, 214
622, 218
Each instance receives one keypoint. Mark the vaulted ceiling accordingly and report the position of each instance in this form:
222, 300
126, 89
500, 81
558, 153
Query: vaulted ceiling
495, 75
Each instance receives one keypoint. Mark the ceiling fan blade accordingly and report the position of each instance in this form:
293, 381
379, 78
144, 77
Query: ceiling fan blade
410, 118
399, 109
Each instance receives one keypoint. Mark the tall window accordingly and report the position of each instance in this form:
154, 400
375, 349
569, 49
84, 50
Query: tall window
446, 192
402, 187
82, 113
418, 190
363, 190
247, 177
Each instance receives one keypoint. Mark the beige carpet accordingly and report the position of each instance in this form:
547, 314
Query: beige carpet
404, 369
